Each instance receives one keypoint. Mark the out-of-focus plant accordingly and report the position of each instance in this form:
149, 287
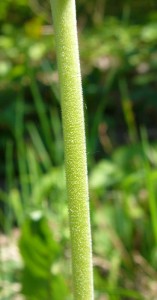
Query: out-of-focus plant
41, 277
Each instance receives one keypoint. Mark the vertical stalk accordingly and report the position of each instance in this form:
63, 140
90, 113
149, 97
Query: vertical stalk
64, 18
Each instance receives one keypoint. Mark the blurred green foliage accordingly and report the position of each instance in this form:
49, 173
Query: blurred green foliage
118, 48
40, 251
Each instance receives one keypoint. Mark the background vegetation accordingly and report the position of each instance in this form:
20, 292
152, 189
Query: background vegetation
118, 48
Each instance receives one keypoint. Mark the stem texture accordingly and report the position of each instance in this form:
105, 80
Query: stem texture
64, 18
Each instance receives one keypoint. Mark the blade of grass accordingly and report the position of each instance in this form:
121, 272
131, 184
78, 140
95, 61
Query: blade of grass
39, 146
128, 110
98, 117
34, 172
56, 127
43, 117
150, 185
9, 184
21, 151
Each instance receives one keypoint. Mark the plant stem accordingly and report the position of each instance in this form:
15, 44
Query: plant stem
64, 18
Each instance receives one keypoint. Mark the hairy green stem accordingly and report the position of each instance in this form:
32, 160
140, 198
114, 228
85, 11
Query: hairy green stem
64, 19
